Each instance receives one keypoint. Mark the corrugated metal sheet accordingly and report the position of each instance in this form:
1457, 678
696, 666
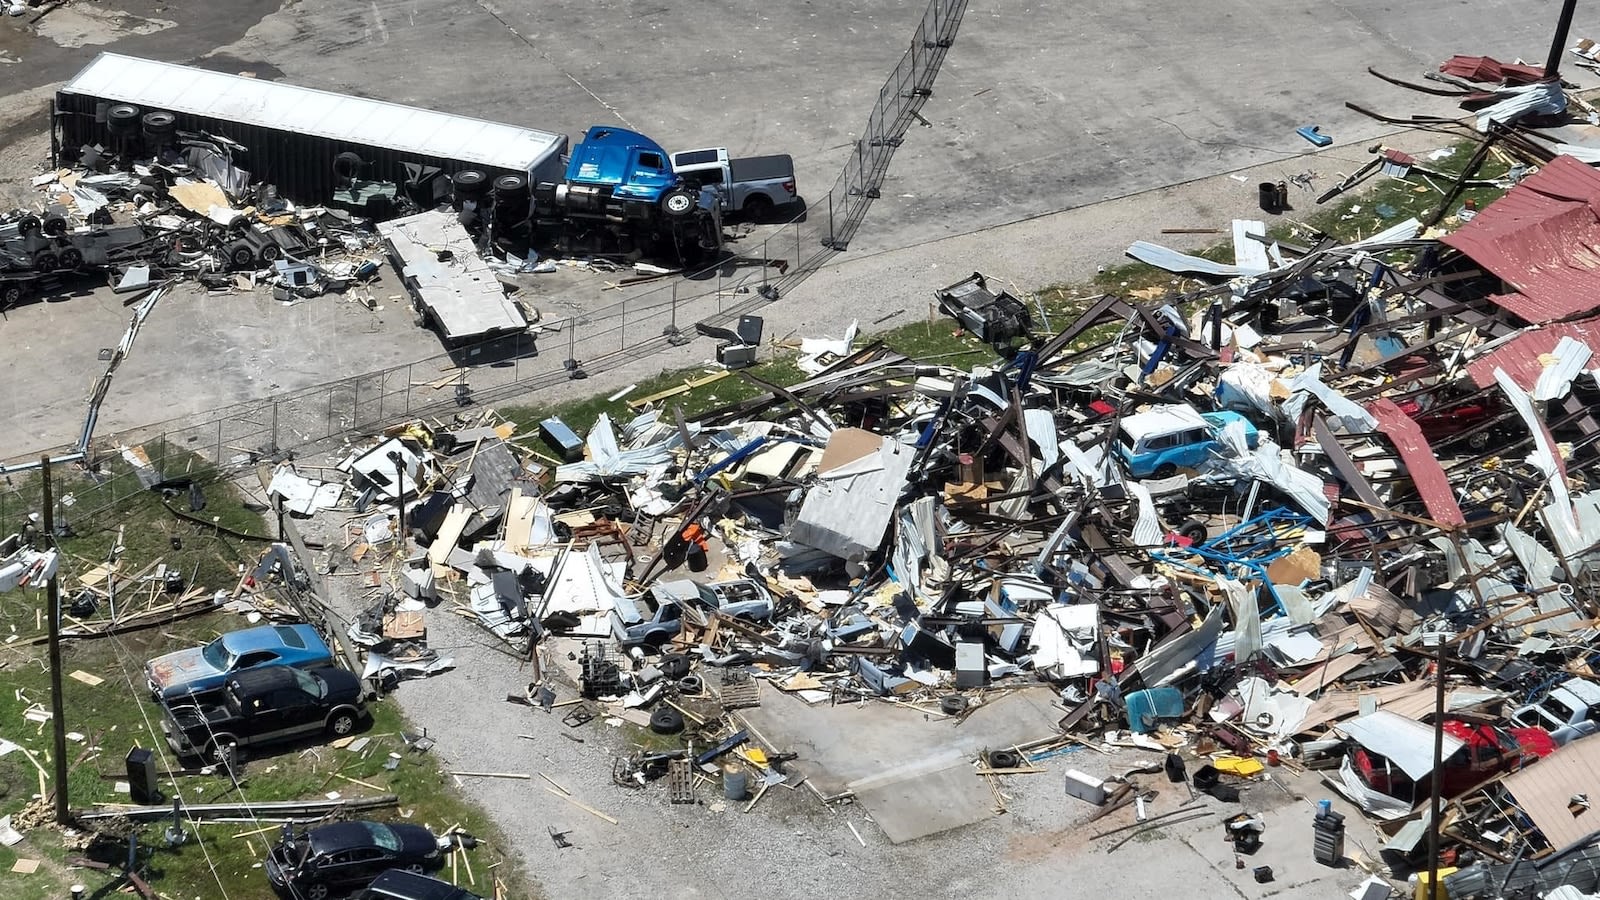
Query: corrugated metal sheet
250, 101
1544, 789
1543, 239
1426, 473
1520, 356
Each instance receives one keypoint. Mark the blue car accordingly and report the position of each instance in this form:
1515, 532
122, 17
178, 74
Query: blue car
197, 670
1157, 443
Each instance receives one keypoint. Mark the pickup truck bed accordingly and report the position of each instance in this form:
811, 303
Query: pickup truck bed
762, 168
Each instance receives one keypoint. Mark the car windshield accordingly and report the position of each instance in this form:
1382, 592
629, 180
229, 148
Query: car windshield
1559, 711
306, 683
383, 836
217, 656
708, 596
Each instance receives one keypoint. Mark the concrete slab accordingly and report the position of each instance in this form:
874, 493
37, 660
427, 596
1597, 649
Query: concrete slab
920, 805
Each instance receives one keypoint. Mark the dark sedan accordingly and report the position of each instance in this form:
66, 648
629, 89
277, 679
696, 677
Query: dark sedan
339, 859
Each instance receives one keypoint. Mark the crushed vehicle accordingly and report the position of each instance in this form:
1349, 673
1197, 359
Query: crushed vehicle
651, 620
264, 706
334, 860
1159, 442
1570, 711
197, 670
1480, 752
994, 317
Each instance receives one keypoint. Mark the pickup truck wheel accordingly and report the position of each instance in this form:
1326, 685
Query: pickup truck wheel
10, 295
71, 259
678, 202
758, 207
1165, 470
242, 257
342, 724
666, 720
271, 253
218, 751
55, 226
28, 225
46, 262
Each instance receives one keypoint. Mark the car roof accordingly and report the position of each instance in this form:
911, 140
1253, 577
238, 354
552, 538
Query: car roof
264, 678
272, 637
1162, 420
342, 836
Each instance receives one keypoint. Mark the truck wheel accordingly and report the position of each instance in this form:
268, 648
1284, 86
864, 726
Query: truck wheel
1165, 470
341, 724
218, 750
10, 296
122, 118
159, 123
469, 183
510, 184
242, 257
271, 253
347, 165
71, 259
46, 262
55, 226
758, 207
679, 202
666, 720
28, 225
1194, 530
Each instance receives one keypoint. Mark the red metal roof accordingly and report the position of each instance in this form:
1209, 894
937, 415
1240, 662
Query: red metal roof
1491, 70
1543, 239
1520, 355
1426, 473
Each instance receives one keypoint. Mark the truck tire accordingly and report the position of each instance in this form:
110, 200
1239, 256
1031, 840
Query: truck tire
679, 202
511, 184
666, 720
1164, 471
29, 225
218, 748
758, 207
55, 225
123, 118
271, 253
159, 123
1195, 530
469, 183
10, 295
71, 258
46, 262
242, 257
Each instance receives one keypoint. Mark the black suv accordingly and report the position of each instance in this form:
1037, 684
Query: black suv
399, 884
267, 705
333, 860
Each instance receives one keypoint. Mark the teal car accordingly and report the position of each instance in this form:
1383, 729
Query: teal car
1159, 442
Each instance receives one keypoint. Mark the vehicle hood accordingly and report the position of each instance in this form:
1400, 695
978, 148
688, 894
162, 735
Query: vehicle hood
1534, 741
343, 686
175, 671
628, 610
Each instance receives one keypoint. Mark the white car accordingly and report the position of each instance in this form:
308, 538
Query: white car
1570, 711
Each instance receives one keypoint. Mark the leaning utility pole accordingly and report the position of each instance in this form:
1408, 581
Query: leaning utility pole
53, 593
1434, 787
1558, 44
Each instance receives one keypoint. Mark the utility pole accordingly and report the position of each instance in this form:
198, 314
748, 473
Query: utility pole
1434, 800
1558, 45
399, 460
57, 716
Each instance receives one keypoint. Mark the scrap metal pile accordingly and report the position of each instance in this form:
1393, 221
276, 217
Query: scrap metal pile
1250, 518
161, 205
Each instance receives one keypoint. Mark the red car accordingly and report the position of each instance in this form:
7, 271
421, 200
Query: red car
1489, 750
1443, 418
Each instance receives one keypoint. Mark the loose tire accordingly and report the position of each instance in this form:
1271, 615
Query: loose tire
953, 705
666, 720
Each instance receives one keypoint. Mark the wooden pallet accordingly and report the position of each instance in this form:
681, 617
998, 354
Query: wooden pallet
680, 784
739, 692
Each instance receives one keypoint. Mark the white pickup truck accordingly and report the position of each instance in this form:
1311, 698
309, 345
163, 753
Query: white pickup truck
1570, 711
753, 185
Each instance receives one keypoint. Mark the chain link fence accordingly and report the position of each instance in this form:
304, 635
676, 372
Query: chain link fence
585, 335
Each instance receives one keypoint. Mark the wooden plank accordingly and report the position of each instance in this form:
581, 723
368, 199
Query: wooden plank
454, 523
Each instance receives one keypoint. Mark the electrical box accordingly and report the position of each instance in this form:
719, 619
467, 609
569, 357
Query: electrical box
142, 788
